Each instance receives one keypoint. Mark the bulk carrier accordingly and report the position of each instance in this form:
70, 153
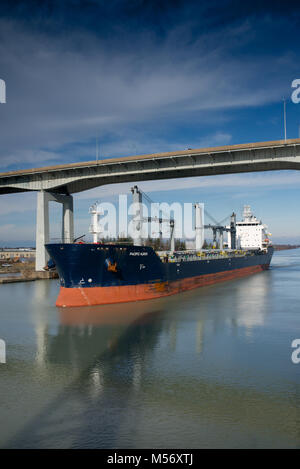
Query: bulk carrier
105, 273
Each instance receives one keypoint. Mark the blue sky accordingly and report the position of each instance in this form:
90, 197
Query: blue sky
145, 77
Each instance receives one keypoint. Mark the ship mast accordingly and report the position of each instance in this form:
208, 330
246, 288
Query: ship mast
95, 228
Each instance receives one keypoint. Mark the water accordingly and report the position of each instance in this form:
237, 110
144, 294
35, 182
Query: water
12, 274
209, 368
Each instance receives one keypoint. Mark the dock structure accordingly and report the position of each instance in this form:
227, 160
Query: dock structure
58, 183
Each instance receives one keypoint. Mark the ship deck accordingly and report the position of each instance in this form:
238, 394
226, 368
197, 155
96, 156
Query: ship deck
192, 255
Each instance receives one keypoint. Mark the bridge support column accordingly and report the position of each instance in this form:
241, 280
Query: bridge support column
42, 224
42, 230
68, 221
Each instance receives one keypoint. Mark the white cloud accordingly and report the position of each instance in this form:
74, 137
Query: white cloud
17, 203
59, 94
11, 233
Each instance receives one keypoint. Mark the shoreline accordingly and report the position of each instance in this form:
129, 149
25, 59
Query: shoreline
29, 278
285, 247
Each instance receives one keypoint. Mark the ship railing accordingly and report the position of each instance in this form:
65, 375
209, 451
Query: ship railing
192, 255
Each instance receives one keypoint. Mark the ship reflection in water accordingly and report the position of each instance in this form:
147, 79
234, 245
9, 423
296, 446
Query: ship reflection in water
206, 368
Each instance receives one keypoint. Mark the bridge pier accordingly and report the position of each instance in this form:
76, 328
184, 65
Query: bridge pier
42, 224
68, 219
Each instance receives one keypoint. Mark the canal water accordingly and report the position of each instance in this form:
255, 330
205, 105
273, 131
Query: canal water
209, 368
8, 274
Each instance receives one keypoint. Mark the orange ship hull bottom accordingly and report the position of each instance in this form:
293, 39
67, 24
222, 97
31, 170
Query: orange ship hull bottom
121, 294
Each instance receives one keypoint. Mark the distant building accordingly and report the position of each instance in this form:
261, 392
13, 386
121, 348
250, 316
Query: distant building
17, 253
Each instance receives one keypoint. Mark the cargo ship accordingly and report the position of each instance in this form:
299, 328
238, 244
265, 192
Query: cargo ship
105, 273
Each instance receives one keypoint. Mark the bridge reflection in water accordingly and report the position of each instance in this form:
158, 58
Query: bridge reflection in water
184, 371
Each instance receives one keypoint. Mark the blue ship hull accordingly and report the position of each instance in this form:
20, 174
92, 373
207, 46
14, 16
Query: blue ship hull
102, 273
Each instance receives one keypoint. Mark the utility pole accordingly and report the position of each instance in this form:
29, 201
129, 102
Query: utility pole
97, 155
284, 117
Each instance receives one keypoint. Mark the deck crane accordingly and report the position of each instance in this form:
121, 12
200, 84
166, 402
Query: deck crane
137, 198
218, 227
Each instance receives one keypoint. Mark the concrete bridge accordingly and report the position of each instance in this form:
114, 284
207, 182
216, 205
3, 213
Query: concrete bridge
58, 183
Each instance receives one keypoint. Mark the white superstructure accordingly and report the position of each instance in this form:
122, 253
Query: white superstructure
250, 232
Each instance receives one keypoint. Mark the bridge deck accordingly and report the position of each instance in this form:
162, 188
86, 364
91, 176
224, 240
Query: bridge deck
76, 177
220, 149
